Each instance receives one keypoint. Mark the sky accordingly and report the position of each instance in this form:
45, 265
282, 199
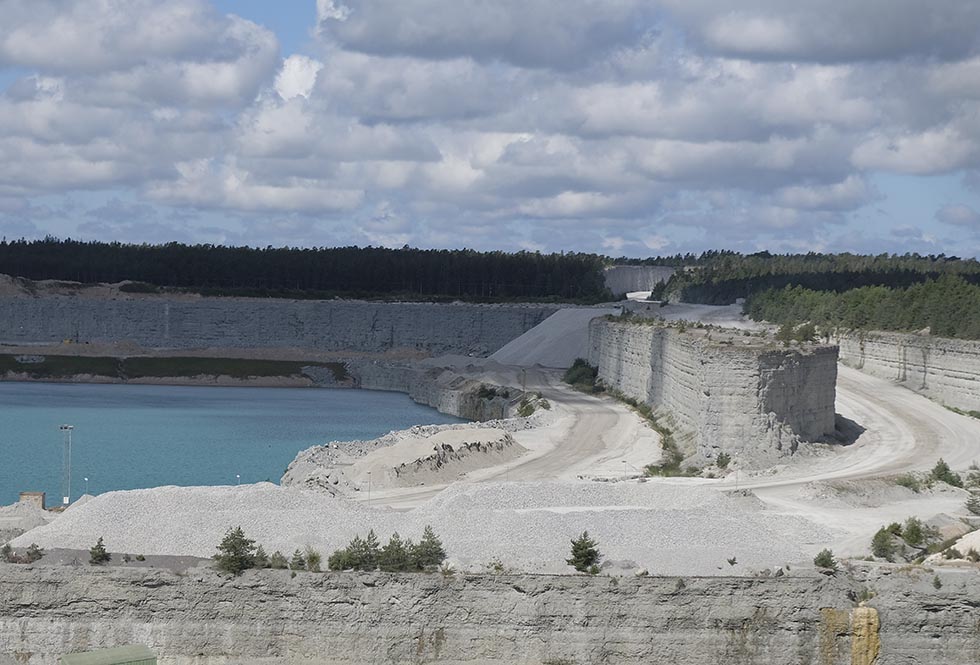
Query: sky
623, 127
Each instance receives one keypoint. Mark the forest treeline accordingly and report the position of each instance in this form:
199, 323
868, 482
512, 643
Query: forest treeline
719, 278
405, 273
949, 306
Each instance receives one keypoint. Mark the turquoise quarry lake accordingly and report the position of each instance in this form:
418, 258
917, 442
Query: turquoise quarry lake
130, 437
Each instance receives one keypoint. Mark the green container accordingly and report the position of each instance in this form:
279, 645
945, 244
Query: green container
128, 655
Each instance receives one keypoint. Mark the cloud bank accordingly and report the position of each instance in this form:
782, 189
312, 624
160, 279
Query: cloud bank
623, 126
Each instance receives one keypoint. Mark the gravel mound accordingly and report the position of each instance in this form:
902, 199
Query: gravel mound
666, 529
19, 517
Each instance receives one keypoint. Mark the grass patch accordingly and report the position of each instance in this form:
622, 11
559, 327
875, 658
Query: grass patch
971, 413
55, 367
583, 377
671, 466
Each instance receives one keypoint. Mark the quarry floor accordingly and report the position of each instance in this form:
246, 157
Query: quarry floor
581, 472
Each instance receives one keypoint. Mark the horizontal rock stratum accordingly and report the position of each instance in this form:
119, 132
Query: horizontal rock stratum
321, 325
269, 617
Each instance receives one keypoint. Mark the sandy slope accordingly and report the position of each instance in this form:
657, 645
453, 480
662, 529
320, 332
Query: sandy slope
555, 342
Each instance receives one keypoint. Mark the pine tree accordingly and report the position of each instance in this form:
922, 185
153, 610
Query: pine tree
585, 554
882, 545
429, 553
261, 559
973, 504
236, 553
825, 559
395, 556
98, 554
369, 552
297, 562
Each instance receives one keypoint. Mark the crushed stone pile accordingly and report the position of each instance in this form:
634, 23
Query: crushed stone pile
19, 517
663, 528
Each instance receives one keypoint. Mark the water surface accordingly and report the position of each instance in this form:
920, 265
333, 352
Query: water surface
129, 437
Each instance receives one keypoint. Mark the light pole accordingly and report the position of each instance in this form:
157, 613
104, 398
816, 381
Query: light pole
66, 465
86, 484
238, 479
369, 488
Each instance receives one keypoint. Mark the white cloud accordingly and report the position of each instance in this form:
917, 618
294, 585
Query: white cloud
297, 76
959, 215
934, 151
832, 30
846, 195
525, 32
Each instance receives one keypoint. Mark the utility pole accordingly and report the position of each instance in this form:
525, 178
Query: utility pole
66, 465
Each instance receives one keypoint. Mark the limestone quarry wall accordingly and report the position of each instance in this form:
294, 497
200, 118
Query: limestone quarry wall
627, 279
947, 370
172, 323
720, 397
270, 618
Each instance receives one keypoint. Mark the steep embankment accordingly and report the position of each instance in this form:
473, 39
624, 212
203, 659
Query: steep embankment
272, 618
555, 342
947, 370
730, 394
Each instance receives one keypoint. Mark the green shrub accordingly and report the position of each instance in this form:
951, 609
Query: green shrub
98, 554
582, 376
723, 460
943, 473
526, 408
910, 481
913, 532
236, 553
278, 561
825, 559
313, 559
882, 545
7, 553
585, 554
936, 582
261, 559
973, 504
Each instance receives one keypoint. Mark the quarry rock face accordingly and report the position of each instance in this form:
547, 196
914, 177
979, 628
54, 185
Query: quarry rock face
322, 325
947, 370
721, 396
272, 618
628, 279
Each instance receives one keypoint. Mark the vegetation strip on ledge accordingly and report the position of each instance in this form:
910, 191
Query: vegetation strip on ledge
585, 378
55, 367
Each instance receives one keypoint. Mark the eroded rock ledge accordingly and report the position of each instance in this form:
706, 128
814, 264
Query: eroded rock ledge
269, 617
